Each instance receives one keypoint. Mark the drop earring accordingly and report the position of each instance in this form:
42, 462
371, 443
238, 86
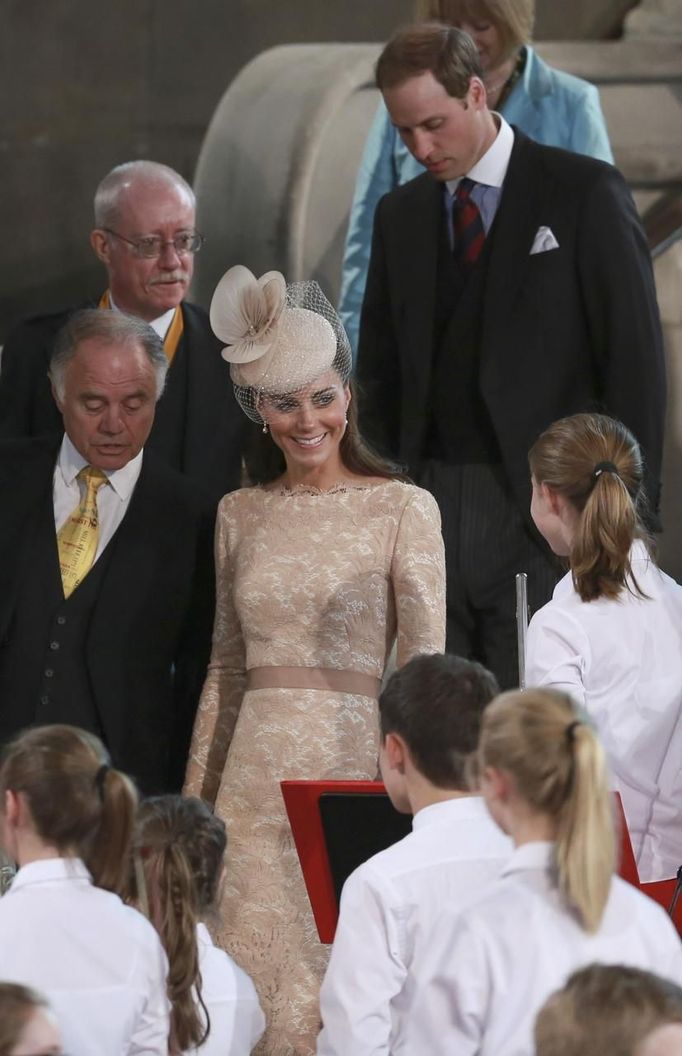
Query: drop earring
265, 428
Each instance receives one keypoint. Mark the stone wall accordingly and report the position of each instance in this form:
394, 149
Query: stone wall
89, 83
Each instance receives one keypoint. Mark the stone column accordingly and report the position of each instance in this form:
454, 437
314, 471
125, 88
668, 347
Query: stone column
655, 18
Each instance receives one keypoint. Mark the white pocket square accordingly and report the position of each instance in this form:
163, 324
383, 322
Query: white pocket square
544, 240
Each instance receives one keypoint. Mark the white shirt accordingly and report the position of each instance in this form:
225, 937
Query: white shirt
488, 175
622, 661
160, 325
237, 1020
388, 907
99, 962
486, 971
113, 498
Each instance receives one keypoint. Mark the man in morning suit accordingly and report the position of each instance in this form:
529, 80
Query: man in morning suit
145, 237
106, 564
510, 285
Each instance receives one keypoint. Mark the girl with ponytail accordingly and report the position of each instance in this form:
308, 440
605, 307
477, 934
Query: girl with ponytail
66, 819
556, 906
180, 846
612, 634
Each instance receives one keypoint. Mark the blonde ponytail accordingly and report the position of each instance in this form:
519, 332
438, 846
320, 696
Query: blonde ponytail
594, 463
585, 840
559, 769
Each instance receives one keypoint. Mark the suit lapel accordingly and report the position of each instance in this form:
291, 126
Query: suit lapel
207, 373
518, 217
25, 486
418, 262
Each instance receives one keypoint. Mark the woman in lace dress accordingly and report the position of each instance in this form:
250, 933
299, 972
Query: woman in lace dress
321, 566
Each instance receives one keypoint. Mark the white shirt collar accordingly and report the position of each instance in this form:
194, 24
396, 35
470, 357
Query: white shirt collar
70, 462
48, 870
491, 169
161, 324
464, 807
536, 855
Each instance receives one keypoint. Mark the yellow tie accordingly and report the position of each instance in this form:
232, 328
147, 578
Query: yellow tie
77, 537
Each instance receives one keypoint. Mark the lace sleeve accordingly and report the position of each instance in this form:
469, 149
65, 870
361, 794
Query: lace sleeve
223, 689
418, 576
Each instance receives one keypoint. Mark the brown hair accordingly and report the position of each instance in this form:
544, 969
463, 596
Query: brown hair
610, 501
513, 19
265, 462
559, 768
181, 844
17, 1004
430, 47
605, 1008
435, 704
76, 800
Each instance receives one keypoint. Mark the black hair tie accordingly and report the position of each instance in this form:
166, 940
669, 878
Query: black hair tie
100, 778
604, 467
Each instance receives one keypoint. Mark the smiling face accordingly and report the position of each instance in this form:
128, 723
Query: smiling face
488, 40
446, 135
307, 426
140, 286
108, 401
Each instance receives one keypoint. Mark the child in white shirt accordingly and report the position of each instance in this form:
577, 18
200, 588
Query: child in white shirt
66, 819
181, 845
612, 634
484, 972
429, 715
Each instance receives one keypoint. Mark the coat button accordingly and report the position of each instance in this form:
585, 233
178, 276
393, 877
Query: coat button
54, 645
61, 620
48, 672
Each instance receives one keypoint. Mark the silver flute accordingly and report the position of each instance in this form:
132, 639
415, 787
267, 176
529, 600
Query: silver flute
521, 623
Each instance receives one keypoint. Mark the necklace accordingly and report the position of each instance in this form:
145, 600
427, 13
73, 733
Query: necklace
505, 86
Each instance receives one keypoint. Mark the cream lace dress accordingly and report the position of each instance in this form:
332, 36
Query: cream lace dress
307, 579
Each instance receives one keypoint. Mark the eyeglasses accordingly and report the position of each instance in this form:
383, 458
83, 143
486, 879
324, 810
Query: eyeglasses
152, 246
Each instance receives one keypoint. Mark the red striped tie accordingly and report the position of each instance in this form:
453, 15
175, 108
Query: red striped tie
467, 227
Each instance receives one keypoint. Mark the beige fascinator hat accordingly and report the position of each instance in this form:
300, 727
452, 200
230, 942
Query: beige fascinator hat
279, 337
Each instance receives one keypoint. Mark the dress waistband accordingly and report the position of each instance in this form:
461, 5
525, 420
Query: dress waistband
329, 678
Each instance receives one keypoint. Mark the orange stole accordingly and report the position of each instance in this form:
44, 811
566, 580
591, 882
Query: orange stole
173, 335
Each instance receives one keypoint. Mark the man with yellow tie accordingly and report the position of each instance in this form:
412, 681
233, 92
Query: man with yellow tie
146, 238
106, 565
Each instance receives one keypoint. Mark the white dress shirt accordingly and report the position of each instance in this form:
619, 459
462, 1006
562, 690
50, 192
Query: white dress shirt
160, 325
622, 661
99, 962
113, 498
485, 972
488, 175
388, 907
237, 1020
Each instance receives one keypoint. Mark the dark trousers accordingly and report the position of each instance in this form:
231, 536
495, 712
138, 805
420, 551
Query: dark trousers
486, 543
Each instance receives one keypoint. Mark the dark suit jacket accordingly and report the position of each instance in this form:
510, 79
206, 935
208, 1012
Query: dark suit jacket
571, 329
210, 446
148, 641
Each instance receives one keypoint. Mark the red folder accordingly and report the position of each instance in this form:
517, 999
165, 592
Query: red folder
302, 801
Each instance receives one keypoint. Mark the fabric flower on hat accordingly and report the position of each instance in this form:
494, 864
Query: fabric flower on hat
245, 311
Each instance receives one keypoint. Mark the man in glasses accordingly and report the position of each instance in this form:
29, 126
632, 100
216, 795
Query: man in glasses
146, 238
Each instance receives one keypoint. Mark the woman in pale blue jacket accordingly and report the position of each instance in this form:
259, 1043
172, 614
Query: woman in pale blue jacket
551, 107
